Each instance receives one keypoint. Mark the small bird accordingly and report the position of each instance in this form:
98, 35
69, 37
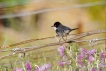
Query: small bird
62, 30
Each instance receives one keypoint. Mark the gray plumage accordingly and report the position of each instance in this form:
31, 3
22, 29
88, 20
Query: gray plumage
62, 30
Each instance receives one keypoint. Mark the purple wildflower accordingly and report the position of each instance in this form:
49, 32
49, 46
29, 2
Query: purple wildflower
80, 62
80, 59
62, 63
84, 51
44, 67
102, 60
37, 69
102, 64
93, 69
18, 69
100, 69
90, 58
64, 58
85, 54
80, 56
102, 55
61, 50
28, 66
91, 52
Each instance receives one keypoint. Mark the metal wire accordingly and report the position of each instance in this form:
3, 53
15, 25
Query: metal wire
91, 41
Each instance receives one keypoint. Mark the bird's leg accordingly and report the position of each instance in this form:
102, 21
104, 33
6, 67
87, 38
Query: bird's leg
63, 38
57, 38
66, 37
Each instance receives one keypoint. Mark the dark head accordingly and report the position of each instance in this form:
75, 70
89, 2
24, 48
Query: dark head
56, 24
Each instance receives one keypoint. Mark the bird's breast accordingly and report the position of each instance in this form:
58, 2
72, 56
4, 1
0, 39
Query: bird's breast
55, 28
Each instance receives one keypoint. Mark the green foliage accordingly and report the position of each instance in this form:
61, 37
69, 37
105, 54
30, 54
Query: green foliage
88, 1
96, 12
74, 47
13, 2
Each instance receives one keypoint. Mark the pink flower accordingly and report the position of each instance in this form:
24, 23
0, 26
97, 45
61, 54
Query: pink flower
102, 55
62, 63
18, 69
93, 69
84, 51
87, 52
61, 50
80, 56
102, 60
80, 62
90, 58
102, 64
100, 69
80, 59
91, 52
28, 66
44, 67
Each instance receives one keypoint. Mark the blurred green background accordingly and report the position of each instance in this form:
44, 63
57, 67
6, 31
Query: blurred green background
26, 19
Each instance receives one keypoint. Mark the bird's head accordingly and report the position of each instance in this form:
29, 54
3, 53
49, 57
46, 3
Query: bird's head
56, 24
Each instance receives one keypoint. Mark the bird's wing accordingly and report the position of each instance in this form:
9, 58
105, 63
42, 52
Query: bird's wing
62, 30
65, 27
59, 32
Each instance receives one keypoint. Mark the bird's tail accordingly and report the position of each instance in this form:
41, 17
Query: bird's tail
75, 29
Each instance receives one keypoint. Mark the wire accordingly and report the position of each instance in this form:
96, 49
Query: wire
52, 9
32, 40
77, 41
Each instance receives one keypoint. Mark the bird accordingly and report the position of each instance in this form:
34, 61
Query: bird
62, 30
